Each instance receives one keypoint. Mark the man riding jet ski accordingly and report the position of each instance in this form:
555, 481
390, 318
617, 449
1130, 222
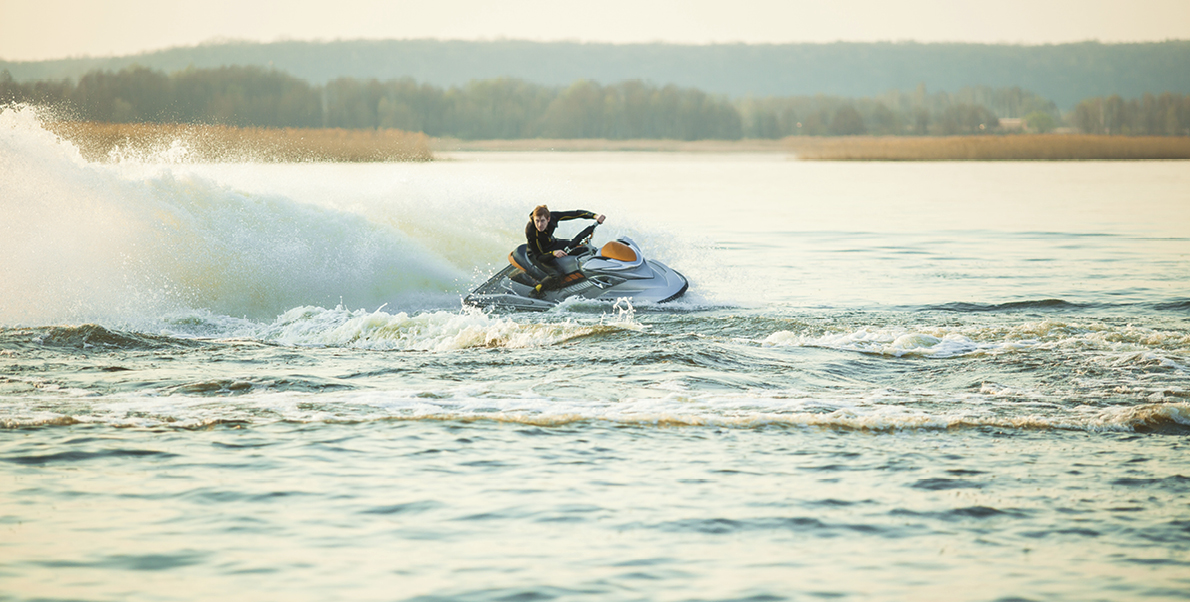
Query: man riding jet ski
545, 271
544, 248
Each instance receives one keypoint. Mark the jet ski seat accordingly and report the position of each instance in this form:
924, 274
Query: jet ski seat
520, 258
618, 251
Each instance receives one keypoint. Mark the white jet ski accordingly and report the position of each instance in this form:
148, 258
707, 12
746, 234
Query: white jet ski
615, 270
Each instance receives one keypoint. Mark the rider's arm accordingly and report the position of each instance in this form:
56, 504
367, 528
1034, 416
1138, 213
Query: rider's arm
576, 214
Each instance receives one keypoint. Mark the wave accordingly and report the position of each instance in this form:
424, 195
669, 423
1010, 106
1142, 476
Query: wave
1042, 304
674, 410
1176, 305
88, 336
311, 326
1056, 306
427, 331
981, 339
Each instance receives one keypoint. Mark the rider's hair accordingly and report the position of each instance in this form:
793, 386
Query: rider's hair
541, 211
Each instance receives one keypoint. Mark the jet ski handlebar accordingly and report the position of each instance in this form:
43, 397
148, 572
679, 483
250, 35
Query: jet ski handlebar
586, 239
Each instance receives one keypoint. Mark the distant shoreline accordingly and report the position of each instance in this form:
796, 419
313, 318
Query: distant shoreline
1027, 147
106, 142
1030, 147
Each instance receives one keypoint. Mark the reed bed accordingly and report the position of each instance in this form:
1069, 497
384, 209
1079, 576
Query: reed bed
222, 144
214, 143
1034, 147
582, 145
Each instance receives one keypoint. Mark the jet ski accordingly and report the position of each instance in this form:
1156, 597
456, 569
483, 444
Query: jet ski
616, 270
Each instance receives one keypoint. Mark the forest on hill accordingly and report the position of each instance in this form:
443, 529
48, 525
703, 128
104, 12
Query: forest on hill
1063, 73
509, 108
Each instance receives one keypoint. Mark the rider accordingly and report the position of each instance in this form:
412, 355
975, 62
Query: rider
543, 247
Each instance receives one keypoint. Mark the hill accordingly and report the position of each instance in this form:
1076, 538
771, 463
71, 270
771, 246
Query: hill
1064, 73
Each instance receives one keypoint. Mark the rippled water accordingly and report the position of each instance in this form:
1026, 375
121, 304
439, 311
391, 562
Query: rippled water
888, 381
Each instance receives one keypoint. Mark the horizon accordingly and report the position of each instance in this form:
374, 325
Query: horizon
38, 32
221, 41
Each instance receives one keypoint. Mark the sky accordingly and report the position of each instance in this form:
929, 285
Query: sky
49, 29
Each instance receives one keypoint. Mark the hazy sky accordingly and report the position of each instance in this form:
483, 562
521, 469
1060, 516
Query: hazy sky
42, 29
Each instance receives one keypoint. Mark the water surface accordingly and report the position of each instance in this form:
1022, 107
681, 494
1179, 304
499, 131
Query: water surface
888, 381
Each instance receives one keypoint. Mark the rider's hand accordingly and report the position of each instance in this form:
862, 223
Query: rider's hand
599, 220
559, 253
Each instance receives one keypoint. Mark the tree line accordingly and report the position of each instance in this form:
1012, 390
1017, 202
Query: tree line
237, 96
510, 108
972, 110
1167, 114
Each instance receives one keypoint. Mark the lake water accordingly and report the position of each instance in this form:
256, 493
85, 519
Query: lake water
939, 381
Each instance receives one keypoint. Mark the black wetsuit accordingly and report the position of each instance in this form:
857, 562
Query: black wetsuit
543, 244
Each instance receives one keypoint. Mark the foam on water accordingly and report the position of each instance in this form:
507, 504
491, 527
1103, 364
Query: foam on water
877, 411
1112, 390
426, 331
92, 242
1172, 348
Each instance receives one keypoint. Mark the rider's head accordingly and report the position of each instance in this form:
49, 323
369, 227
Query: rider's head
541, 217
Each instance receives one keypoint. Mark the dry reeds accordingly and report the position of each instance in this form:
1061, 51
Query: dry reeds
581, 145
206, 143
1039, 147
217, 144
